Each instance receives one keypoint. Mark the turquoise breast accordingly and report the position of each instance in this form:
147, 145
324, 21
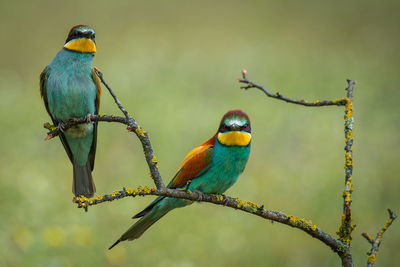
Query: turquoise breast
71, 93
227, 163
70, 87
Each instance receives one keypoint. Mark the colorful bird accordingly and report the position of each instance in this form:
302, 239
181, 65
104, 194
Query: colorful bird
211, 168
71, 88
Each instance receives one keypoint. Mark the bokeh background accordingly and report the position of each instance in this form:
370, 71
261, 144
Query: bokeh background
174, 65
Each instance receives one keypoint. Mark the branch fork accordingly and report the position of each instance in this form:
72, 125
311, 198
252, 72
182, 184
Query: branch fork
377, 241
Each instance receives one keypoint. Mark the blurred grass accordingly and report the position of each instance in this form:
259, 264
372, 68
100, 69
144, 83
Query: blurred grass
173, 65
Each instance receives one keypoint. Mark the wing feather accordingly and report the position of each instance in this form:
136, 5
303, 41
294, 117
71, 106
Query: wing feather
43, 89
196, 162
97, 82
92, 153
44, 76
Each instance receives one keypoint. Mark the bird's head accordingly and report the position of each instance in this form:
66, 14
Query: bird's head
234, 129
81, 39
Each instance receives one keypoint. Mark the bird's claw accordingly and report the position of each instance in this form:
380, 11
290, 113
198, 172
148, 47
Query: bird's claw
225, 200
88, 118
199, 194
61, 127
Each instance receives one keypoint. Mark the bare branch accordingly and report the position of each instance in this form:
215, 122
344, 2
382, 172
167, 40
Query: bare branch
235, 203
100, 75
143, 137
378, 240
369, 238
277, 95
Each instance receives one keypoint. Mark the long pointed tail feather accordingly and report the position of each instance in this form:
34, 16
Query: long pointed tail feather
116, 243
83, 184
148, 208
136, 230
154, 212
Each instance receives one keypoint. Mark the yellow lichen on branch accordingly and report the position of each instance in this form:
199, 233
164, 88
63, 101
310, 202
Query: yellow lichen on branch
348, 159
378, 240
385, 227
339, 100
371, 258
346, 228
303, 223
369, 238
248, 205
140, 131
347, 197
219, 197
140, 191
154, 160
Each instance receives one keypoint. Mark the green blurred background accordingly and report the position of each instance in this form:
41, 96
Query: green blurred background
174, 65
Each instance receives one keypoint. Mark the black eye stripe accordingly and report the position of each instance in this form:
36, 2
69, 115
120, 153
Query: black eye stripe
77, 34
226, 128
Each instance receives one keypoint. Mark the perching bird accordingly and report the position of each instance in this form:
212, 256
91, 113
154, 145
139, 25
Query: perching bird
212, 167
71, 88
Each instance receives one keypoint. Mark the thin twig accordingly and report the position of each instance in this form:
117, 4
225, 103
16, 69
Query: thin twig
378, 240
235, 203
100, 75
143, 137
369, 238
277, 95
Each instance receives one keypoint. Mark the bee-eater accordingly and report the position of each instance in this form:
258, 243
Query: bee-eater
211, 168
71, 88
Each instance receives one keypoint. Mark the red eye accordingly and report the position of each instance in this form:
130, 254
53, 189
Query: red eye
244, 127
226, 127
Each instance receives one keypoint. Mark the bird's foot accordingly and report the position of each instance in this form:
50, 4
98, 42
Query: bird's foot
88, 118
61, 127
187, 185
225, 200
199, 195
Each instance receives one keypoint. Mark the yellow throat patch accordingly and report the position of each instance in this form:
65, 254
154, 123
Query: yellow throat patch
82, 45
234, 138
